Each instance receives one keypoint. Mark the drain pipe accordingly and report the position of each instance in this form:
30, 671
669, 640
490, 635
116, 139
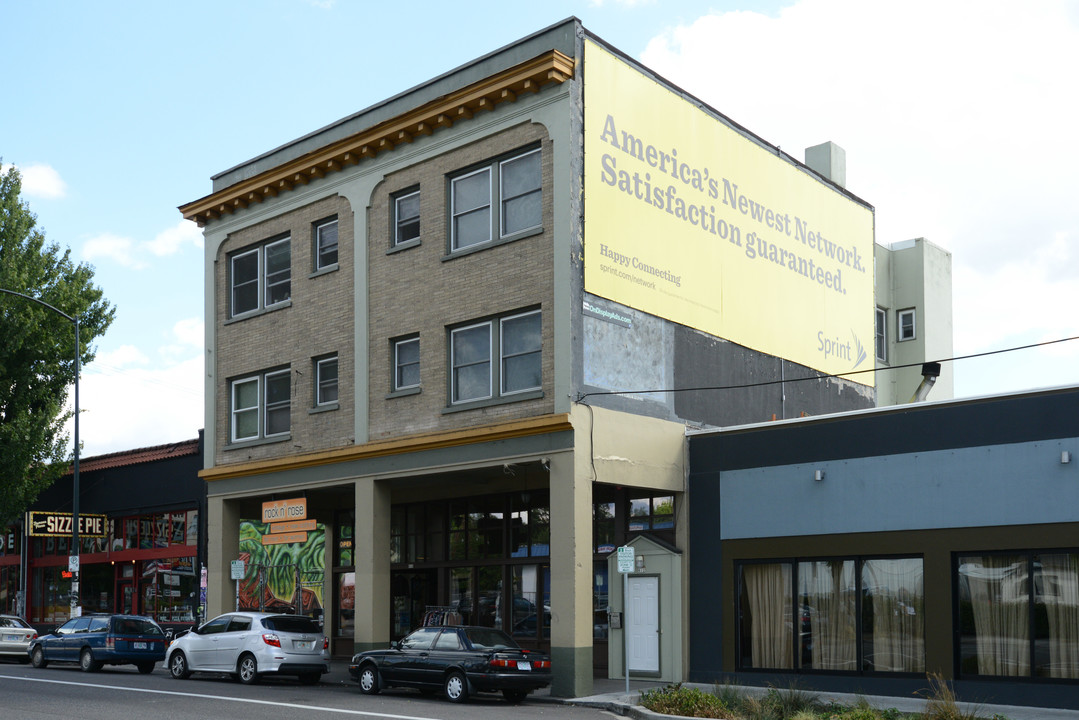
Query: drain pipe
930, 373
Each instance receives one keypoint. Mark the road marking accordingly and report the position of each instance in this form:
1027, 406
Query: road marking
221, 697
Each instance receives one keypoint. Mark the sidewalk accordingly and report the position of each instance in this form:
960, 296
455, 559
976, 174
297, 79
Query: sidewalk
610, 694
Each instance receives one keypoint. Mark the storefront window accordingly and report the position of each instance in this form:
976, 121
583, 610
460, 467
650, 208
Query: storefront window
765, 637
178, 536
600, 601
169, 590
893, 615
131, 533
50, 596
1056, 607
346, 604
485, 527
461, 593
827, 635
96, 587
489, 592
345, 524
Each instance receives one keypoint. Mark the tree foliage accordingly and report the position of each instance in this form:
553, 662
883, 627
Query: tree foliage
37, 349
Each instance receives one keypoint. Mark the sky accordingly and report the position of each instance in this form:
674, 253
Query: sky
957, 118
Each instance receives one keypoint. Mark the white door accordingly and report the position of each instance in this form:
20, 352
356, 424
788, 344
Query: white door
643, 624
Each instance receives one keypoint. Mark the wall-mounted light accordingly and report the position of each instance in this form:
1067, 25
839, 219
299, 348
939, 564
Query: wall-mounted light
1065, 457
638, 563
818, 475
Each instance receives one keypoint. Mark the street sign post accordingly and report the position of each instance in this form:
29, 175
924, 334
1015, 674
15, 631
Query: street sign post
625, 567
237, 575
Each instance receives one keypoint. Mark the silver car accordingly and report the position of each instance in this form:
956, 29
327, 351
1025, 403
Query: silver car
249, 645
15, 637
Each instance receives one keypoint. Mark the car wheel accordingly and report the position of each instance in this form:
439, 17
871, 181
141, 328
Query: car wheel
456, 687
514, 696
145, 667
178, 666
368, 680
248, 669
87, 662
37, 658
310, 678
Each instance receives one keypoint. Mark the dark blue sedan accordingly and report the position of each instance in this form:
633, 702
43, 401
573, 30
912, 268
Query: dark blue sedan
96, 640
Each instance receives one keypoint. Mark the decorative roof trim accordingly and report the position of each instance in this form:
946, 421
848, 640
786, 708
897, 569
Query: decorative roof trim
506, 86
542, 425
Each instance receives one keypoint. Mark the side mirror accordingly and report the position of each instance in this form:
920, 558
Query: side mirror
395, 645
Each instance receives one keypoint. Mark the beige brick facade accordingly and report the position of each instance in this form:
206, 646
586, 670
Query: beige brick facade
421, 291
318, 321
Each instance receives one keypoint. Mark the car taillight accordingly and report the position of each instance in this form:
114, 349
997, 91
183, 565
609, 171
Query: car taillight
325, 643
503, 662
31, 636
110, 643
271, 639
541, 664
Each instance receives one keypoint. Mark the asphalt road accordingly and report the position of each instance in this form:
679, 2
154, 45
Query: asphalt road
116, 693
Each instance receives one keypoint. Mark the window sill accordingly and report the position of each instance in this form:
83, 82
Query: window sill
406, 245
493, 401
323, 408
242, 444
405, 392
261, 311
480, 247
324, 271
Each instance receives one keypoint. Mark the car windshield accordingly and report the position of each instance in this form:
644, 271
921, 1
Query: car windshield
136, 626
292, 624
490, 639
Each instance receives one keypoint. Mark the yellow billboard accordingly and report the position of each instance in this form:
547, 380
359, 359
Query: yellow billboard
692, 221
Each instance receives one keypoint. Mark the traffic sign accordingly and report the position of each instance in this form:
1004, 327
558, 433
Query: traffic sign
237, 569
73, 563
625, 559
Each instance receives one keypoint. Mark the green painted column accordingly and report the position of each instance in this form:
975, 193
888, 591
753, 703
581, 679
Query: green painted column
571, 578
372, 558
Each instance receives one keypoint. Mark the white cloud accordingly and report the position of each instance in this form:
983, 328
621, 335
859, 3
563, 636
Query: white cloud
956, 122
172, 240
40, 181
113, 247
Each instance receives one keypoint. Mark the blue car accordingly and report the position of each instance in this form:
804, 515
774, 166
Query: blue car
96, 640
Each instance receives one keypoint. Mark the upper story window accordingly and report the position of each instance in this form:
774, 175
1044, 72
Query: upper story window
261, 277
475, 375
478, 218
906, 325
406, 363
260, 406
326, 381
326, 244
406, 218
882, 335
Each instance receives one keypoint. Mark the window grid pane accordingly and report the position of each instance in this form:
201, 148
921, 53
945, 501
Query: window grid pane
407, 210
471, 197
521, 357
471, 348
245, 410
278, 272
245, 282
327, 244
278, 403
521, 194
407, 364
327, 381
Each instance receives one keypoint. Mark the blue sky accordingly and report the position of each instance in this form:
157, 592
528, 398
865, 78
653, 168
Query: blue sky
956, 118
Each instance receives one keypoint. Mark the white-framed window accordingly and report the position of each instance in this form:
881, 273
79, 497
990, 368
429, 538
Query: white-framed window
260, 406
326, 244
882, 335
406, 217
406, 363
474, 372
261, 277
476, 217
905, 324
326, 381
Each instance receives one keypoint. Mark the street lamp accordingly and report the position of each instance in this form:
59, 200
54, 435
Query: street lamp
73, 560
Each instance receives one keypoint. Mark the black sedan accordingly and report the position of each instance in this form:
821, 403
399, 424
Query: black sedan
458, 661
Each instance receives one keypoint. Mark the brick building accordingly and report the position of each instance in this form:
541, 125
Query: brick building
417, 339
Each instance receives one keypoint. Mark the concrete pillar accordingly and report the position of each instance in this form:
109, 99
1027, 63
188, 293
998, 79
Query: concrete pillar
372, 558
571, 578
223, 525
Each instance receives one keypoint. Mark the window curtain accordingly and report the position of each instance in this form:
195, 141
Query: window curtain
895, 595
998, 587
1059, 591
768, 591
828, 591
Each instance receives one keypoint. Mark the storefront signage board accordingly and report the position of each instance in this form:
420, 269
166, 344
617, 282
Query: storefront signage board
282, 538
293, 526
53, 524
282, 510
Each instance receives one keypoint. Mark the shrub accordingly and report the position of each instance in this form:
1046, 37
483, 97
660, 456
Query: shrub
687, 702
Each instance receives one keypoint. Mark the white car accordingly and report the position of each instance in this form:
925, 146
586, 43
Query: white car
15, 637
249, 645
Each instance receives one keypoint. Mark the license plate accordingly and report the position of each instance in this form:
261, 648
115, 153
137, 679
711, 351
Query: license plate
11, 638
303, 644
139, 645
524, 665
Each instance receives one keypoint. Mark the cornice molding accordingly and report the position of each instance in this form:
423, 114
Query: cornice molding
543, 425
506, 86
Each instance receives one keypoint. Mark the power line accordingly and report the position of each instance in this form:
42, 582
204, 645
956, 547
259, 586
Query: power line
819, 376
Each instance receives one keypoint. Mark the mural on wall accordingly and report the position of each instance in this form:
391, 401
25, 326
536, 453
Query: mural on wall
282, 576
